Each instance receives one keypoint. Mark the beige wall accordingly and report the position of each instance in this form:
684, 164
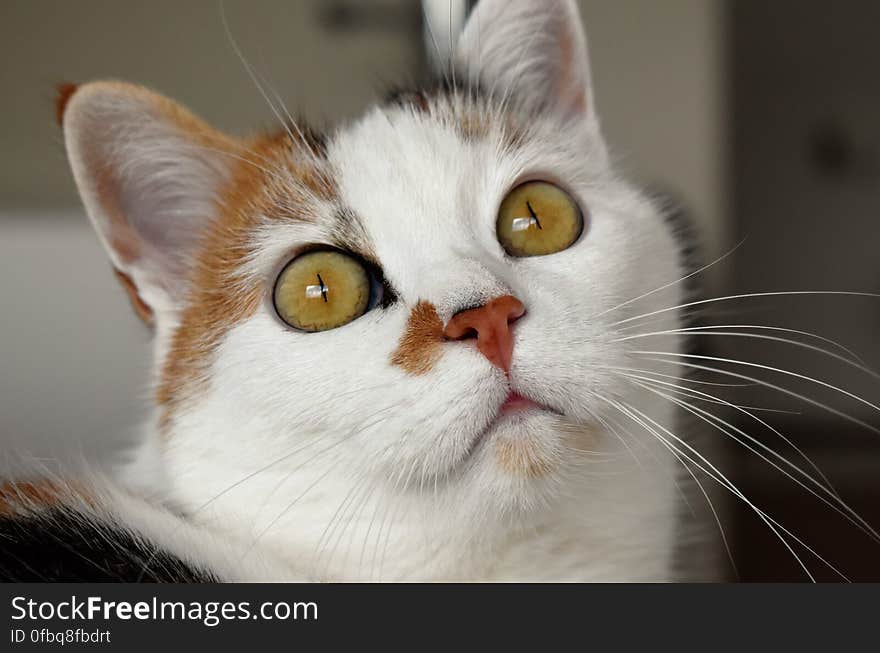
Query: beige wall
179, 48
657, 68
659, 73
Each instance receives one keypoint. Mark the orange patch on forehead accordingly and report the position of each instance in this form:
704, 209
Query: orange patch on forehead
420, 347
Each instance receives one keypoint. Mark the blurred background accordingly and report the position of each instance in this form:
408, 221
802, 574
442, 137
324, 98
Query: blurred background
760, 119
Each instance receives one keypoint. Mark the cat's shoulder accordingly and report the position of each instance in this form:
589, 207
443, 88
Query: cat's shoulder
88, 531
61, 532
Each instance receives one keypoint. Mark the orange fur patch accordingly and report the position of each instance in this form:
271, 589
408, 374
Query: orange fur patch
16, 498
521, 457
420, 346
221, 297
473, 125
64, 92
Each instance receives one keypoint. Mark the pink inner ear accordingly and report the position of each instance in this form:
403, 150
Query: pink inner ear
535, 50
571, 86
124, 243
141, 308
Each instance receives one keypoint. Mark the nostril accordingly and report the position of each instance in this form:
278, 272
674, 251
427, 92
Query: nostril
496, 315
457, 332
516, 314
462, 326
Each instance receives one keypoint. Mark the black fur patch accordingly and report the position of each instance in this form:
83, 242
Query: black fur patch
58, 546
419, 96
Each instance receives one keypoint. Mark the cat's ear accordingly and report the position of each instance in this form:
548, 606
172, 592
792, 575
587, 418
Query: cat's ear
148, 172
532, 51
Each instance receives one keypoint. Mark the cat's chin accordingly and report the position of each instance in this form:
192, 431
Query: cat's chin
526, 442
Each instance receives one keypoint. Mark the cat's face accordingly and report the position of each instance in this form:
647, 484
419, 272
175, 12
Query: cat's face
418, 198
365, 377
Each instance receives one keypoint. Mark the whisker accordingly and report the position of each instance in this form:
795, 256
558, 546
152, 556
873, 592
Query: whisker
397, 449
709, 331
251, 475
389, 516
771, 386
287, 509
715, 515
330, 527
622, 441
719, 477
788, 293
442, 66
249, 69
287, 456
677, 281
360, 429
693, 393
780, 371
451, 43
678, 487
676, 378
686, 316
839, 505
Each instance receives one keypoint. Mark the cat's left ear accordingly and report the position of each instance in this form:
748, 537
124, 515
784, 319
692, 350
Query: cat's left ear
531, 51
149, 173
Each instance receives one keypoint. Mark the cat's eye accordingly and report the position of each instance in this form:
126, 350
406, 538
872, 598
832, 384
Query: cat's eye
538, 218
324, 289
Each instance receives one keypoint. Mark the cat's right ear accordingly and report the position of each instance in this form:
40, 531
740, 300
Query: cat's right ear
533, 52
149, 174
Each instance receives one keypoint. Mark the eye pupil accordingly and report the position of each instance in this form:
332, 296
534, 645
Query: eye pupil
323, 287
532, 213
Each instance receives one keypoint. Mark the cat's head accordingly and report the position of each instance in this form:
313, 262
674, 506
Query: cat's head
421, 302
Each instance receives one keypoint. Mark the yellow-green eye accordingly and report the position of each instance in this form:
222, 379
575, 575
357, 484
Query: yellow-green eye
538, 218
322, 290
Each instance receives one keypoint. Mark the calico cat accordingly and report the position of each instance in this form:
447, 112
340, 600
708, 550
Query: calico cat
388, 352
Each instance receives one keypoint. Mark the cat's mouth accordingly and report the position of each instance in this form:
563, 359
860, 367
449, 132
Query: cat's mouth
514, 405
519, 401
516, 402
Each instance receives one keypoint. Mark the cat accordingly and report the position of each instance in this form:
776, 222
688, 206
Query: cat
388, 352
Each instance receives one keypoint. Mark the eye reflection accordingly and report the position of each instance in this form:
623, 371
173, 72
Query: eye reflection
522, 224
313, 292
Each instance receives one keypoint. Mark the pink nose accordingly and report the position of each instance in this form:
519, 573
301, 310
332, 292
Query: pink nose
490, 325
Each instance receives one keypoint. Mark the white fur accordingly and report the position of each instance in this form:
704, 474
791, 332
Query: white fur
317, 453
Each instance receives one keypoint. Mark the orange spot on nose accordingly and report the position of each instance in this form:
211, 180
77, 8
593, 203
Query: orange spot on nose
490, 325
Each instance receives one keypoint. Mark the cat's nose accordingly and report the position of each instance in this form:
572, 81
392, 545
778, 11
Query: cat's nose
490, 325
